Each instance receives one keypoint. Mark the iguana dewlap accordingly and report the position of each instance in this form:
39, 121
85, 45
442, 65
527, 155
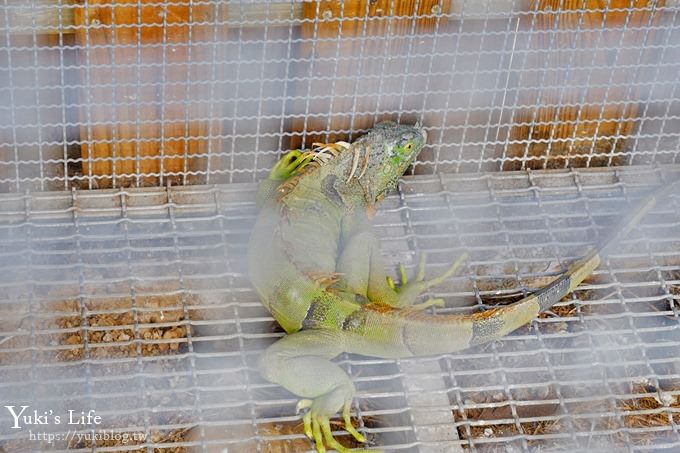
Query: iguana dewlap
316, 265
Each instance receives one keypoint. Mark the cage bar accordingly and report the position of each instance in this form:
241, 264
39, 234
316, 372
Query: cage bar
155, 92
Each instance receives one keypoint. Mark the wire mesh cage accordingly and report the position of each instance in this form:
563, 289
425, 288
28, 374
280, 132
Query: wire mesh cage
132, 134
105, 94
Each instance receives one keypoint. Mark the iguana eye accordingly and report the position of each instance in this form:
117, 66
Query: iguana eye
408, 146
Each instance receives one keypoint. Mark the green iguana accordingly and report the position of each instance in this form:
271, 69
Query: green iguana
317, 267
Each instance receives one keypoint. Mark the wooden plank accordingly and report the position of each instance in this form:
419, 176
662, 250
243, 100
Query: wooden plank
57, 16
591, 121
144, 130
40, 16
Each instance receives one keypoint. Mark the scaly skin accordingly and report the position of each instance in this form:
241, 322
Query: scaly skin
317, 267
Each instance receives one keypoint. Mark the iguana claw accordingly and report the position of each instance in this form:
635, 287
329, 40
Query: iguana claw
318, 428
408, 291
291, 162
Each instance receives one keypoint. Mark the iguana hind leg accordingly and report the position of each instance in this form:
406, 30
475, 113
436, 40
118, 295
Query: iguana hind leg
300, 362
362, 271
358, 264
408, 291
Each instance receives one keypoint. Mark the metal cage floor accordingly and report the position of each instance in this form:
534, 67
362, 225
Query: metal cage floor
135, 303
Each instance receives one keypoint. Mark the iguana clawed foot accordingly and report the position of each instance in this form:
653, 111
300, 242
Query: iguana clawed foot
408, 291
291, 162
296, 160
317, 425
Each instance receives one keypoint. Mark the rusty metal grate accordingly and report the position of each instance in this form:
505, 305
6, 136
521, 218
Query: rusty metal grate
135, 303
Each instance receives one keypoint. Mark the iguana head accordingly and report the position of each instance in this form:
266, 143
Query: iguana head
389, 149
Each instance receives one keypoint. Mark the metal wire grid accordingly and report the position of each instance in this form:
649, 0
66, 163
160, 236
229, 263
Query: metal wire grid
174, 259
255, 82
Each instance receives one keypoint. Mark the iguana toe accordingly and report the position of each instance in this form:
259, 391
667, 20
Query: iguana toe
307, 423
408, 291
349, 427
436, 302
390, 283
316, 421
403, 276
448, 273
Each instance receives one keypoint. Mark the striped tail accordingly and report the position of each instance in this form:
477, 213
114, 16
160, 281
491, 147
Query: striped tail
415, 333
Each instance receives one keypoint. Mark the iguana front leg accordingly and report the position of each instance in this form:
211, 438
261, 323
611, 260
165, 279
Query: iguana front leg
300, 362
409, 289
362, 271
291, 162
